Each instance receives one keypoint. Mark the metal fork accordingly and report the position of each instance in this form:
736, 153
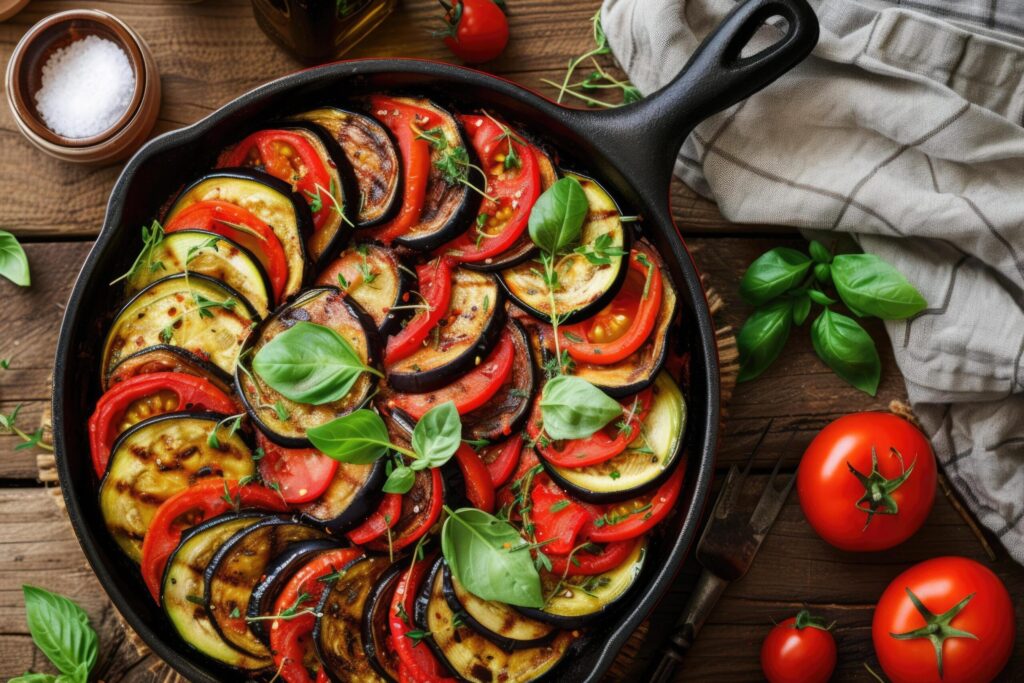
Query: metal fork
726, 550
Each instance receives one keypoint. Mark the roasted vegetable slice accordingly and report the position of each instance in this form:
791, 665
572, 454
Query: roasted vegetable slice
159, 457
353, 493
374, 277
376, 632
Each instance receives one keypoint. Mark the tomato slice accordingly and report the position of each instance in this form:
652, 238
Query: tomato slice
421, 508
404, 120
144, 396
380, 520
636, 517
241, 226
557, 519
603, 445
623, 326
291, 639
302, 474
585, 563
436, 289
513, 189
203, 500
470, 391
479, 488
502, 459
416, 662
289, 156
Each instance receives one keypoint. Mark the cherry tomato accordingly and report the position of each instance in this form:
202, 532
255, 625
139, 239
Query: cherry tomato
380, 520
479, 488
218, 216
800, 649
185, 509
145, 396
421, 508
945, 620
867, 481
636, 517
478, 30
557, 520
624, 325
502, 459
417, 664
435, 280
301, 474
586, 563
472, 390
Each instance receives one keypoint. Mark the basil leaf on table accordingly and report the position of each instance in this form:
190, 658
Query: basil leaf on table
773, 273
573, 408
60, 628
557, 217
400, 480
359, 438
822, 272
848, 349
13, 261
870, 286
29, 677
819, 297
801, 308
437, 435
309, 363
762, 338
820, 253
486, 555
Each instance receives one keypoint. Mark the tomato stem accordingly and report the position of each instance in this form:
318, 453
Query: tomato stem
937, 627
877, 498
804, 619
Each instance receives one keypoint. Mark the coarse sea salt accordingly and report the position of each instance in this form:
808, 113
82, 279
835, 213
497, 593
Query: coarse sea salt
86, 87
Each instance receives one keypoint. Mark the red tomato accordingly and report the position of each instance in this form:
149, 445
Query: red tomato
380, 520
435, 280
203, 500
478, 30
557, 520
289, 156
479, 488
145, 396
472, 390
502, 459
962, 608
856, 501
622, 326
417, 664
603, 445
800, 649
637, 516
421, 508
301, 473
585, 563
215, 215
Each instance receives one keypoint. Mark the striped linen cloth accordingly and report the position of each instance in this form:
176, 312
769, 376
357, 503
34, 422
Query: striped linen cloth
903, 129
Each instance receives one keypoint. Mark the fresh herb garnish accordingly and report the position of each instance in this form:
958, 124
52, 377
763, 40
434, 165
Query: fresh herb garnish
152, 236
8, 425
232, 422
61, 630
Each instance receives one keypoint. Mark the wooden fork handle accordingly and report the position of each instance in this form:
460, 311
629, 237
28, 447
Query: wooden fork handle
702, 601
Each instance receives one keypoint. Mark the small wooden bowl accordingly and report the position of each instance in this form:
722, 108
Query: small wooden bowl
8, 8
24, 78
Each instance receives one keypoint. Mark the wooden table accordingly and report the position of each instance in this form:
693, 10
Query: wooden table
210, 52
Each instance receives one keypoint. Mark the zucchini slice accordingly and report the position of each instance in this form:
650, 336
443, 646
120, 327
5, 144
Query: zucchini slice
376, 631
165, 358
473, 657
193, 312
156, 459
269, 199
338, 633
496, 621
583, 599
373, 156
584, 287
235, 570
373, 276
470, 328
184, 587
206, 253
645, 464
351, 496
324, 306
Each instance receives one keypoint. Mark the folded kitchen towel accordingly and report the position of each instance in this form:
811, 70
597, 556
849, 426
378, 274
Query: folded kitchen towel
904, 129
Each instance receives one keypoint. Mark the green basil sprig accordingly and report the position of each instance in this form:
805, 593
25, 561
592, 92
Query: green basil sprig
556, 219
573, 408
310, 363
13, 261
784, 284
61, 629
490, 559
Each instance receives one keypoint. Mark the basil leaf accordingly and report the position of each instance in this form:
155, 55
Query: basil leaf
801, 308
309, 363
822, 272
485, 555
13, 262
361, 437
870, 286
773, 273
400, 480
60, 628
819, 297
848, 349
820, 253
573, 408
763, 337
557, 217
437, 435
29, 677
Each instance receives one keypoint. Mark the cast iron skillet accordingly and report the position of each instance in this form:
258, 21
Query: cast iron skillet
631, 149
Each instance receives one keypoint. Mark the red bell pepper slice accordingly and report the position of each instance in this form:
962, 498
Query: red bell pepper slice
417, 663
633, 518
557, 519
436, 289
421, 508
502, 459
380, 520
479, 488
301, 474
585, 563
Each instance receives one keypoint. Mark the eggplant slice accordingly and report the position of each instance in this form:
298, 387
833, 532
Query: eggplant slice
183, 588
324, 306
645, 464
376, 630
165, 358
193, 312
464, 337
373, 156
351, 496
472, 656
338, 633
508, 410
159, 457
373, 276
235, 570
416, 505
584, 287
269, 199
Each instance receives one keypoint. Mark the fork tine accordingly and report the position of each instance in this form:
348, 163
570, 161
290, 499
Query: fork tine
732, 493
773, 497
